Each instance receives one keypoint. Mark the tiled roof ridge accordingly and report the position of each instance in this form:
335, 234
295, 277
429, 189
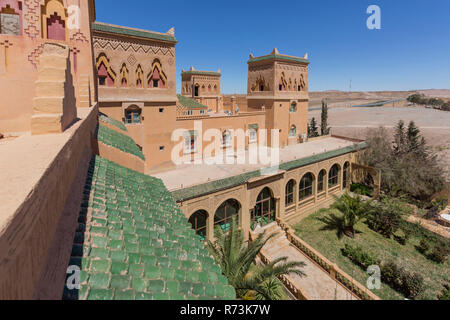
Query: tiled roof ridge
190, 103
106, 27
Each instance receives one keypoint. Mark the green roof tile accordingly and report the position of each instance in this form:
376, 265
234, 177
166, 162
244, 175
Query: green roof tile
190, 103
103, 27
137, 249
104, 118
119, 141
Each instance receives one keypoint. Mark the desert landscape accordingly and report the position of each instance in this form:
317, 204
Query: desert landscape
354, 121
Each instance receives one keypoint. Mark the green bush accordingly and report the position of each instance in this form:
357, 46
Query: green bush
358, 256
423, 247
387, 218
445, 295
401, 280
361, 189
439, 254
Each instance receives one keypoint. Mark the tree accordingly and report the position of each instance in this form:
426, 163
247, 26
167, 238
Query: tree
416, 174
416, 143
313, 130
324, 129
352, 210
237, 260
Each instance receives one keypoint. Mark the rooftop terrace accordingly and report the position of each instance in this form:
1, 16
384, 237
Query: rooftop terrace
191, 180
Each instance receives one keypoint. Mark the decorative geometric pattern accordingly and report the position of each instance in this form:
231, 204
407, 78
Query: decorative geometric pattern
133, 47
33, 57
79, 36
132, 60
32, 17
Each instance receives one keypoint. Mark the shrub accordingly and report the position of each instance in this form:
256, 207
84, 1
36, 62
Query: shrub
387, 217
401, 237
445, 295
423, 247
361, 189
358, 256
439, 254
410, 284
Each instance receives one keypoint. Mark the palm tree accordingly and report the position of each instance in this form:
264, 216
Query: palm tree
353, 209
238, 262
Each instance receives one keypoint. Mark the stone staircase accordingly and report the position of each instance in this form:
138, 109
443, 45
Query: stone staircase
84, 96
316, 284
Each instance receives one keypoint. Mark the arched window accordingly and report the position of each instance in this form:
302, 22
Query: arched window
198, 221
11, 17
209, 88
302, 83
264, 212
197, 90
321, 181
124, 76
306, 189
215, 88
293, 107
293, 131
226, 138
133, 115
290, 84
347, 174
225, 213
139, 77
283, 83
290, 193
157, 78
333, 176
54, 18
106, 76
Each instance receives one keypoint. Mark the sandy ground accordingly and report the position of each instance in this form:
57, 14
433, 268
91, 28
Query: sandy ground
434, 124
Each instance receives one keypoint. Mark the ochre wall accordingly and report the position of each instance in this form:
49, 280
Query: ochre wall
26, 240
18, 64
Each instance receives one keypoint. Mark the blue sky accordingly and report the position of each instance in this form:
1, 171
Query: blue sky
411, 51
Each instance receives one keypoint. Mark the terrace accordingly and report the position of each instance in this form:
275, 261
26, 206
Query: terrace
294, 156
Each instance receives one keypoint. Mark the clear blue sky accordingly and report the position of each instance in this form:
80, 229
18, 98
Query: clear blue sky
411, 51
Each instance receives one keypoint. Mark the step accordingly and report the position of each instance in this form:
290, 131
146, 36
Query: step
51, 74
55, 61
49, 88
48, 104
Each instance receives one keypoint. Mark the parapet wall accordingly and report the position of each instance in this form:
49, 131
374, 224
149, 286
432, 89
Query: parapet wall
44, 174
124, 159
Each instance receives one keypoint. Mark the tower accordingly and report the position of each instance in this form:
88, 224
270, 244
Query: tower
278, 84
202, 86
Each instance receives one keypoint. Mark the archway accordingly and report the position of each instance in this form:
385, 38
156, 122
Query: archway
306, 189
225, 213
290, 193
199, 223
321, 181
333, 176
264, 212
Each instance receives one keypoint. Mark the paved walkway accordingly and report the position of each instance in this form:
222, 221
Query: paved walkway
317, 284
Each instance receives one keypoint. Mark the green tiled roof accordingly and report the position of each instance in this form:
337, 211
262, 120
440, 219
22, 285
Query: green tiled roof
103, 27
133, 242
190, 103
215, 186
119, 141
279, 56
113, 122
199, 72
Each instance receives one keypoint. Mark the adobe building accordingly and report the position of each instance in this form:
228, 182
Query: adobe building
204, 87
88, 110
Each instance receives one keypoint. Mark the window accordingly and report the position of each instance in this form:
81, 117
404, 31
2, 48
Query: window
161, 110
347, 175
11, 19
283, 83
161, 148
264, 212
202, 112
133, 115
54, 20
190, 143
306, 186
333, 176
293, 132
225, 214
293, 107
198, 221
253, 133
290, 193
226, 138
321, 181
197, 89
157, 78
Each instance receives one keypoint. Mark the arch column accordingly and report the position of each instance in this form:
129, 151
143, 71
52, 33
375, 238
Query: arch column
210, 226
